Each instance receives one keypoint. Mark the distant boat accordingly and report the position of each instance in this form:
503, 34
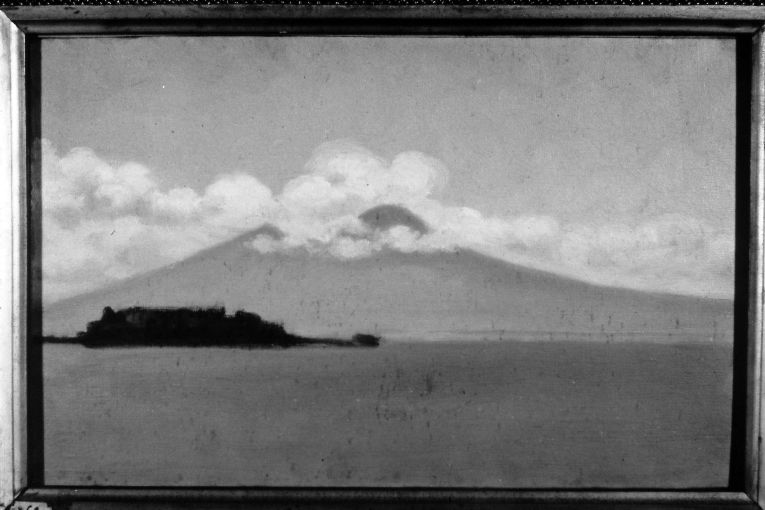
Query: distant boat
365, 340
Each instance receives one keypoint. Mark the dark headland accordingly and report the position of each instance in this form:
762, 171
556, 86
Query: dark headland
195, 327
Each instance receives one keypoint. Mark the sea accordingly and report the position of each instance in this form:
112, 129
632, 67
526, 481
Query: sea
501, 412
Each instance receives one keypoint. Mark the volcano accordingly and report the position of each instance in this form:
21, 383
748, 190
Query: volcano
384, 217
457, 294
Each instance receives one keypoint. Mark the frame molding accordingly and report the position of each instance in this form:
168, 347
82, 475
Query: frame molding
755, 476
12, 262
21, 28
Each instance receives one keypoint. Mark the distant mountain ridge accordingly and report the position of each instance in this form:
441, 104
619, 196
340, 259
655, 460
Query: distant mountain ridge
438, 295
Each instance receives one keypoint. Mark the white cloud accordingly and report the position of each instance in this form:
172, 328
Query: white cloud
237, 198
669, 252
344, 178
104, 221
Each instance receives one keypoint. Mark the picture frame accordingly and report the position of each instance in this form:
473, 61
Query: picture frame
23, 27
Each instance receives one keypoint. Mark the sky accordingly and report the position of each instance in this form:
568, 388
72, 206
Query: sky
606, 159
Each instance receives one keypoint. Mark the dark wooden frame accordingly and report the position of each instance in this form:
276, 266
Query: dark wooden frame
20, 297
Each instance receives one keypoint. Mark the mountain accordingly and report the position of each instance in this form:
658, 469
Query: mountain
267, 230
384, 217
455, 294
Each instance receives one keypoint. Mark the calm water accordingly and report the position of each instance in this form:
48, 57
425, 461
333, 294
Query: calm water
478, 413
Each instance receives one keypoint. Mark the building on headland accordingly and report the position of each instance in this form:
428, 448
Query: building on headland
186, 326
142, 317
183, 325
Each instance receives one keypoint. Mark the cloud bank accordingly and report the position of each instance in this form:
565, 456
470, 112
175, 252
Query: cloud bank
104, 221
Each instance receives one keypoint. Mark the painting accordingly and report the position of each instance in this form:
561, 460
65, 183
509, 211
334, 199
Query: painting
487, 262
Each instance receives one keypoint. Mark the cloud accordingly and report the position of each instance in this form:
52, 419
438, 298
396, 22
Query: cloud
669, 252
344, 178
104, 221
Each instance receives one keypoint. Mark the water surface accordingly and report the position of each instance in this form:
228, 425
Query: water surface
473, 413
